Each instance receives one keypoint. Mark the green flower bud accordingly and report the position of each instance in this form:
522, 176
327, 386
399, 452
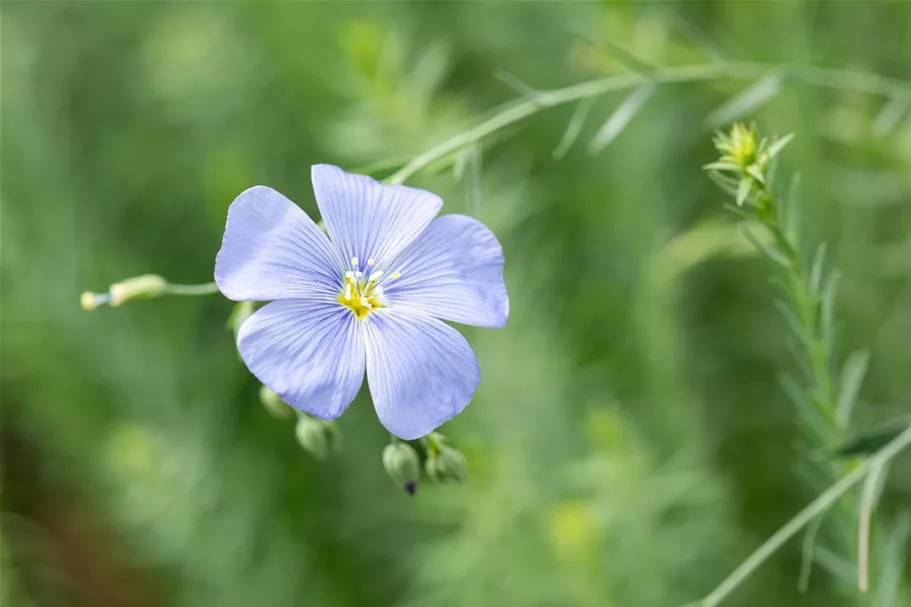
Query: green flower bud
312, 435
402, 465
447, 465
274, 404
138, 287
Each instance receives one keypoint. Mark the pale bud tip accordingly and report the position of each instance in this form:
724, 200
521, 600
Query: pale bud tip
90, 301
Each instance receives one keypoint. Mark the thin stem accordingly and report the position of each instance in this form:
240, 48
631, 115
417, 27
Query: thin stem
817, 507
803, 74
206, 288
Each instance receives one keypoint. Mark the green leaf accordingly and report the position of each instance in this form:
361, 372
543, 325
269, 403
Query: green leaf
746, 102
829, 294
894, 549
620, 54
768, 252
743, 190
574, 127
851, 379
808, 413
755, 173
889, 116
721, 166
698, 38
621, 117
806, 553
816, 270
873, 440
779, 145
516, 84
723, 182
793, 322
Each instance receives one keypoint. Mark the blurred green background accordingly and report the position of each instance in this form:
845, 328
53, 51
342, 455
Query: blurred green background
628, 445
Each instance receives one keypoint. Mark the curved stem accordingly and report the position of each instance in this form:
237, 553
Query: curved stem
816, 507
802, 74
206, 288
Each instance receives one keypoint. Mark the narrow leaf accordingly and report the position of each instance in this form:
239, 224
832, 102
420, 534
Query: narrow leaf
816, 270
769, 253
779, 144
723, 182
461, 163
516, 84
721, 166
806, 554
872, 440
836, 565
793, 321
574, 127
895, 547
829, 294
621, 117
870, 494
698, 37
746, 102
738, 211
621, 55
754, 172
808, 413
743, 190
851, 379
889, 116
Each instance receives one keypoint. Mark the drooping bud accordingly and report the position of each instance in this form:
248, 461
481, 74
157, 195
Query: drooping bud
402, 464
313, 436
274, 404
447, 465
138, 287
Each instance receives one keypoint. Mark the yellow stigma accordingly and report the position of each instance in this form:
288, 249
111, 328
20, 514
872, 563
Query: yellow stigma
361, 295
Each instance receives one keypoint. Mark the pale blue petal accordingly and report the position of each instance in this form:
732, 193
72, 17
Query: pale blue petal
272, 250
310, 353
369, 220
421, 372
453, 271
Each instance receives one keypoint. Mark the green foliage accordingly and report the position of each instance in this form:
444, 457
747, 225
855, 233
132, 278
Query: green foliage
628, 444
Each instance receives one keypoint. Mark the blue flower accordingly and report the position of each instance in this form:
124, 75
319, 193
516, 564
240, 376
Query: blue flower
369, 297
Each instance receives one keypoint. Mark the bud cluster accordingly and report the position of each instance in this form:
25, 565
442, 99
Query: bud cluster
745, 164
442, 463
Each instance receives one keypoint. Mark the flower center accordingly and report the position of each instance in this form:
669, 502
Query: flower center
363, 293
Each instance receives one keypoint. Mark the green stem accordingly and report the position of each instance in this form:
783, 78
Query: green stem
803, 74
817, 507
206, 288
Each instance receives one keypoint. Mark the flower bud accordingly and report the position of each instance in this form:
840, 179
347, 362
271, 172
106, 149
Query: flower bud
138, 287
402, 464
274, 403
447, 465
312, 435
